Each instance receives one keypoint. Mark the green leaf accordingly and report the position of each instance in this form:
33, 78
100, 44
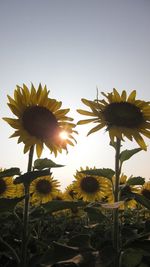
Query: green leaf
7, 204
10, 172
28, 177
139, 243
135, 181
142, 200
127, 154
81, 240
132, 257
105, 172
59, 252
57, 205
41, 164
95, 215
107, 253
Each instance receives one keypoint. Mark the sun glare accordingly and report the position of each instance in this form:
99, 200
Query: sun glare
63, 135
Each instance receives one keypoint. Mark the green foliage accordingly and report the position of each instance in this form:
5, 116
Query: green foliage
81, 240
10, 172
57, 205
132, 257
95, 214
28, 177
127, 154
41, 164
105, 172
136, 181
8, 205
142, 200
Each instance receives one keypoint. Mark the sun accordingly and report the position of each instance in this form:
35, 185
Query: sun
63, 135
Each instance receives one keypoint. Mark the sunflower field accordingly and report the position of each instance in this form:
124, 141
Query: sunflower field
102, 219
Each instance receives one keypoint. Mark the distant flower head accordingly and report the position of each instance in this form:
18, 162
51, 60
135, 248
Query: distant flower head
89, 187
43, 189
7, 187
146, 190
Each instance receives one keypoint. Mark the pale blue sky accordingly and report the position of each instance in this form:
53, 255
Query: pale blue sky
73, 46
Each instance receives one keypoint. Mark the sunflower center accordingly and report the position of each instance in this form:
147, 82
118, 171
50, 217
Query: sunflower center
146, 193
40, 122
89, 184
3, 186
43, 187
123, 114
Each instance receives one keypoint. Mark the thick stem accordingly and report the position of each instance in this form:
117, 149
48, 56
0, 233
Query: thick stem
26, 214
116, 234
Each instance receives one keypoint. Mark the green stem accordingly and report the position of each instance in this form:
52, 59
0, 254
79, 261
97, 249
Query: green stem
116, 234
26, 214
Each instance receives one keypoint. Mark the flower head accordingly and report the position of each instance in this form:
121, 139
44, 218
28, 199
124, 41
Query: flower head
125, 190
146, 190
43, 189
89, 187
7, 187
122, 116
69, 193
39, 120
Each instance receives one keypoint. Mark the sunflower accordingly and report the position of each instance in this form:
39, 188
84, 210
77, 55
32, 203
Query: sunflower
43, 189
19, 192
146, 190
7, 187
125, 189
39, 120
89, 187
69, 193
122, 116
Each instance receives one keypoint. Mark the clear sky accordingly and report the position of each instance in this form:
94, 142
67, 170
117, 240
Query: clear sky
73, 46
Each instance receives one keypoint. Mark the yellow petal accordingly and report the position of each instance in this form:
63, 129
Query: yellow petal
39, 149
123, 96
26, 94
140, 140
116, 96
14, 123
86, 102
62, 112
95, 129
145, 133
84, 112
26, 149
85, 121
131, 97
14, 109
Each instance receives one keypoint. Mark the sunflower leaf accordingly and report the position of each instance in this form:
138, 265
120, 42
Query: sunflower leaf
10, 172
28, 177
136, 181
7, 204
80, 240
95, 215
132, 257
41, 164
57, 205
142, 200
127, 154
105, 172
58, 252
